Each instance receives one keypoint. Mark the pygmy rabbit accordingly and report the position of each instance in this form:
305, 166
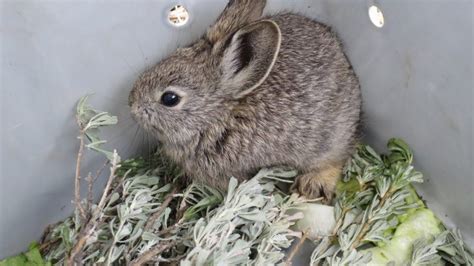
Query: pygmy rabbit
255, 92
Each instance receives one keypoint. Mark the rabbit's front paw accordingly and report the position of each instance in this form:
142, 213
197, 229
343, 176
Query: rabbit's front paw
319, 182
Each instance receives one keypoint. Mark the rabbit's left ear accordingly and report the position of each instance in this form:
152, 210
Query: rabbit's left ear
249, 57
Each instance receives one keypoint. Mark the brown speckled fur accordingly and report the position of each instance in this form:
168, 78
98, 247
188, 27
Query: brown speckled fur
305, 114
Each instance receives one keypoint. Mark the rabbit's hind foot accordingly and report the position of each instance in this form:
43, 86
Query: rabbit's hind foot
319, 183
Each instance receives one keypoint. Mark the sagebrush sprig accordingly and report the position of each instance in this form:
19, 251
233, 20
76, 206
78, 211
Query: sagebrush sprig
145, 215
367, 213
250, 218
142, 217
376, 192
454, 250
426, 253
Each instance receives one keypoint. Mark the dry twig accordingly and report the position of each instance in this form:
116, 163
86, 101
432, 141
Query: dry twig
151, 221
77, 179
295, 250
96, 217
158, 249
90, 195
170, 228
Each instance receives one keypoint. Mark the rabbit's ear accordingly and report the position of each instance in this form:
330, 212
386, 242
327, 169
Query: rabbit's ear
236, 14
249, 57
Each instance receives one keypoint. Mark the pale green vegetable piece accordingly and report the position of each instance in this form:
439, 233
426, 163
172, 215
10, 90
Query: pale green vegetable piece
422, 224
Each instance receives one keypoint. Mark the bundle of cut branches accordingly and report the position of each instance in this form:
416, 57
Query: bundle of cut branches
146, 215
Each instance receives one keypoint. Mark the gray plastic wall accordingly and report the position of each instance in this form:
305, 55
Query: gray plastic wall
416, 75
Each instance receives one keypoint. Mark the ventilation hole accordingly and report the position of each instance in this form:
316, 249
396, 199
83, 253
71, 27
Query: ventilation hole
376, 16
178, 16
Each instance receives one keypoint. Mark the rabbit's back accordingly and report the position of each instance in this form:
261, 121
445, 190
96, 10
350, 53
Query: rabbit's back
307, 111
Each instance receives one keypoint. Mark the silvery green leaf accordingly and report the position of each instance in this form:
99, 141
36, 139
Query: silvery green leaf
349, 218
393, 222
323, 250
92, 256
153, 180
454, 250
346, 237
122, 211
90, 121
148, 236
278, 199
199, 228
231, 188
186, 263
113, 198
236, 256
83, 111
82, 105
347, 171
353, 257
134, 236
338, 210
416, 177
201, 205
369, 173
146, 246
281, 172
280, 175
202, 257
403, 175
425, 253
124, 231
377, 232
233, 237
92, 135
270, 186
115, 252
382, 185
253, 230
399, 151
373, 154
111, 225
101, 119
362, 198
166, 216
108, 154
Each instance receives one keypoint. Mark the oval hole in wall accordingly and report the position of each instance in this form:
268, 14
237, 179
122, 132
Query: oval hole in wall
178, 16
376, 16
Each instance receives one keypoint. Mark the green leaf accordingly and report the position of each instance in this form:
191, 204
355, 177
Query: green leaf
90, 121
203, 204
31, 257
399, 151
83, 111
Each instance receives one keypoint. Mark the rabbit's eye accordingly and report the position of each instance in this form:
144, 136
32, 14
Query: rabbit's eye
170, 99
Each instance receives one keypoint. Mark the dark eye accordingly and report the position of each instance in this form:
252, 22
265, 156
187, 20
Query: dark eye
170, 99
